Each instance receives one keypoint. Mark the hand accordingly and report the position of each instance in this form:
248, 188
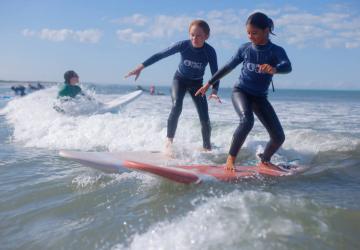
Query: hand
215, 96
266, 68
136, 72
202, 90
230, 168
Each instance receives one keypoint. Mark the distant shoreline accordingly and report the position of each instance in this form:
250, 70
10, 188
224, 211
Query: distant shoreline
16, 81
162, 86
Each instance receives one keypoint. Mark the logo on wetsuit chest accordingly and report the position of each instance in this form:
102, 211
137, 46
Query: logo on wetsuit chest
253, 67
194, 65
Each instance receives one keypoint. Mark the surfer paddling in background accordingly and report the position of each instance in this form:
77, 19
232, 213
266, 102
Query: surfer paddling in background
261, 60
195, 55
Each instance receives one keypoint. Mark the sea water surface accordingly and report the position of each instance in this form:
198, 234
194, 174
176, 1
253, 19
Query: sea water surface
47, 202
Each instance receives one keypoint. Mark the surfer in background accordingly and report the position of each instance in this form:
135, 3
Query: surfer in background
195, 55
70, 90
19, 90
35, 88
261, 60
40, 86
70, 87
152, 90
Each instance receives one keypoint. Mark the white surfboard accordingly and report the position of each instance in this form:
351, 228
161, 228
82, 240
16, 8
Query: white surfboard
113, 162
116, 104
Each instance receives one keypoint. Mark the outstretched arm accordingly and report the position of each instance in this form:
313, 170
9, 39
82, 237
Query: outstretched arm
234, 61
154, 58
215, 78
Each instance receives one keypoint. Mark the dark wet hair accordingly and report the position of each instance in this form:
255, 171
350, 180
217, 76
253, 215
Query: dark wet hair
69, 74
202, 24
261, 21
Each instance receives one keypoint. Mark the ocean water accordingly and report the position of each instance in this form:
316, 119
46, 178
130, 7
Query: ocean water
48, 202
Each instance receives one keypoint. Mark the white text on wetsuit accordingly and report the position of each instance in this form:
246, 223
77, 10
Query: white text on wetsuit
253, 67
194, 65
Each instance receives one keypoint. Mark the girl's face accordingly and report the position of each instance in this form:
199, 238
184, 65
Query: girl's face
197, 36
74, 80
257, 36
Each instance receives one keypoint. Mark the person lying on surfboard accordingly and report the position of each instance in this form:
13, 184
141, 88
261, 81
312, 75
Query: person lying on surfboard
261, 60
195, 55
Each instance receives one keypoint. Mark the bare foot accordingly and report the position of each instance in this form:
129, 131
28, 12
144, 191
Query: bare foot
204, 150
230, 163
269, 165
169, 148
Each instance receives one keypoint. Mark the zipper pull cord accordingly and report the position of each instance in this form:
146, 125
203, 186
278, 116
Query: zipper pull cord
272, 84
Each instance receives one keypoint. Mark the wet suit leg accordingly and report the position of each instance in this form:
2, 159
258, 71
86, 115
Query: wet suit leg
267, 116
177, 95
243, 106
202, 110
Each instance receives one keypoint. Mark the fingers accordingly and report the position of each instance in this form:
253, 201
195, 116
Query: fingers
135, 73
266, 68
216, 97
230, 168
200, 91
127, 75
130, 74
263, 68
269, 69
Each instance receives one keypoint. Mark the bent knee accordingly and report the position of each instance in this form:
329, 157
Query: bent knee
279, 138
247, 122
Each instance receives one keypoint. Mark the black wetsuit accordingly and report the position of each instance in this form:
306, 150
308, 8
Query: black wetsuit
245, 105
189, 78
178, 91
250, 93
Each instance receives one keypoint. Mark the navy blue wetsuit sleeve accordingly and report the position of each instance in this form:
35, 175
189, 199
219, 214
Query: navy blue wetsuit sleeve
177, 47
283, 65
214, 68
227, 68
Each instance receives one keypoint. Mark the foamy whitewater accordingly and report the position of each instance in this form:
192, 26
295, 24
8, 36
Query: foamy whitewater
48, 202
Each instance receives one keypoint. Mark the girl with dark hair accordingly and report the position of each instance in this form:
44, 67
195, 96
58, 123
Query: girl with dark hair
195, 55
261, 60
70, 87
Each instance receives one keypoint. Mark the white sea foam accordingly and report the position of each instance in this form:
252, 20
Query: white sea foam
87, 181
246, 220
37, 124
141, 125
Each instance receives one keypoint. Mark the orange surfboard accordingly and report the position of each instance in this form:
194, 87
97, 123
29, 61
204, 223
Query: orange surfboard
158, 164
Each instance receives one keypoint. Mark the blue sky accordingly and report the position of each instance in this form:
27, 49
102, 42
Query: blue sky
103, 40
